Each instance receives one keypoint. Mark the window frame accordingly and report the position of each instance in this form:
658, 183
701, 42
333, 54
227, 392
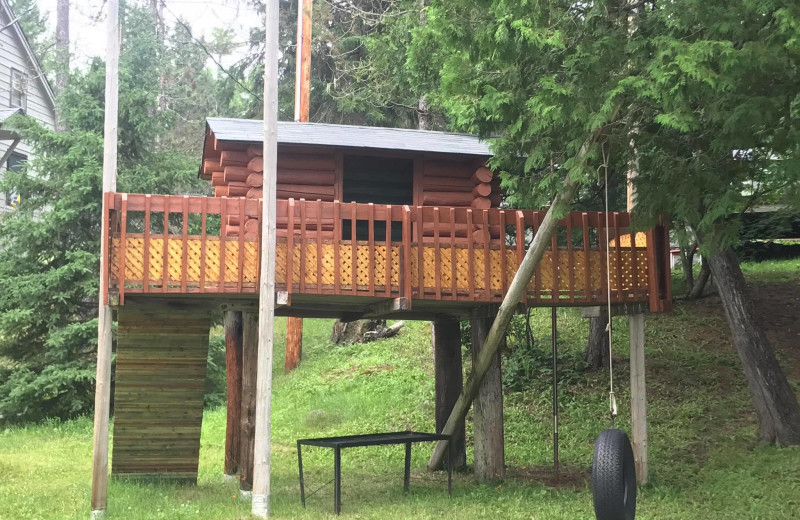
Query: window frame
23, 77
20, 159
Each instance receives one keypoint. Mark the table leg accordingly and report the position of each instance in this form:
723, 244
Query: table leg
407, 475
302, 482
337, 481
450, 467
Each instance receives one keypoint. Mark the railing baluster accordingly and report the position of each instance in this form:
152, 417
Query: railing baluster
165, 246
319, 246
123, 247
453, 255
223, 238
337, 239
203, 244
185, 245
471, 256
389, 256
602, 244
520, 229
354, 248
570, 258
303, 224
146, 259
240, 263
487, 254
554, 257
405, 270
587, 257
634, 263
419, 218
437, 254
290, 246
618, 256
503, 253
371, 248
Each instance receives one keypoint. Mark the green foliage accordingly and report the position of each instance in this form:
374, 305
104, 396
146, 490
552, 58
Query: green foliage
216, 392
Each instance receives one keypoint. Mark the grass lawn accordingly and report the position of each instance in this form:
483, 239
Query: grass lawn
704, 461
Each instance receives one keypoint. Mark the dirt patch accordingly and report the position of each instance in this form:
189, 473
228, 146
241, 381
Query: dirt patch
569, 477
777, 307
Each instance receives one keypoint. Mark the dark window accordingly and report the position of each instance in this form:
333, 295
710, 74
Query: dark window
18, 93
380, 180
15, 163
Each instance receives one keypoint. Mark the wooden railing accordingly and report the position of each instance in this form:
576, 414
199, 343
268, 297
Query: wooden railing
173, 244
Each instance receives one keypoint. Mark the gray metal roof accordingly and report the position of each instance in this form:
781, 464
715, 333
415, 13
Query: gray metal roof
365, 137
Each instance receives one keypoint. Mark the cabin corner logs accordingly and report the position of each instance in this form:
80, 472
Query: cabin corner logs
317, 174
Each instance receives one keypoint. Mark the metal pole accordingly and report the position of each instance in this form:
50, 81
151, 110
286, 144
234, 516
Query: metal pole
102, 393
554, 334
266, 302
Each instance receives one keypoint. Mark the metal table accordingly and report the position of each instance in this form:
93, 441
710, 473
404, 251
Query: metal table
374, 439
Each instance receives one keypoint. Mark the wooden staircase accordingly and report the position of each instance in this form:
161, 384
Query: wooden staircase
160, 380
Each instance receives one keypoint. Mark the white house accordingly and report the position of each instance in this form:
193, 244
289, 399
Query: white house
23, 89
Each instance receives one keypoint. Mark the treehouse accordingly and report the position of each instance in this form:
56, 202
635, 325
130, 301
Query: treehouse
371, 222
367, 215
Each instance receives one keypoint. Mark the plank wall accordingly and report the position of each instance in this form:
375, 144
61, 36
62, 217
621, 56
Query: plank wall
158, 396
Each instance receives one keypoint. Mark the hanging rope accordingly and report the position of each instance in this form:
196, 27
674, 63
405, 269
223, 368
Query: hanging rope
611, 398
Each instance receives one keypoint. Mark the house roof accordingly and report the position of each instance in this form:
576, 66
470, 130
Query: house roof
5, 113
34, 61
364, 137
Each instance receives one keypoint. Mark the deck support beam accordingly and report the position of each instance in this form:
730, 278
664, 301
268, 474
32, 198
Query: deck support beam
488, 410
233, 362
448, 370
378, 310
638, 397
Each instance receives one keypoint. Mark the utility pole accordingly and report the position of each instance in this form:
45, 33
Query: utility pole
102, 393
266, 304
302, 94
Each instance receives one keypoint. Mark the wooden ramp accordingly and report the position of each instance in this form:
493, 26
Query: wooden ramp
158, 399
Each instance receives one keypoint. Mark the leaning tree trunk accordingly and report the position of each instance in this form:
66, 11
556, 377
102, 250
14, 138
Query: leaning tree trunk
700, 282
774, 399
596, 354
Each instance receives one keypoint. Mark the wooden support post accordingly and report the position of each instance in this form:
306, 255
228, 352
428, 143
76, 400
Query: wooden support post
488, 411
266, 297
247, 426
102, 395
638, 396
294, 343
446, 338
233, 362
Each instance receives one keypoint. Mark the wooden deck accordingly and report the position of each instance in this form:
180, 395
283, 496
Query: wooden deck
425, 254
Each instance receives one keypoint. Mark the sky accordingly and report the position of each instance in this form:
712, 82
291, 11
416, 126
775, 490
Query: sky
87, 21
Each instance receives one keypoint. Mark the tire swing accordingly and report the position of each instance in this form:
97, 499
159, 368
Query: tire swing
613, 468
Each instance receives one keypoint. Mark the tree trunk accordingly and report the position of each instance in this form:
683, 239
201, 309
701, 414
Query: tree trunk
446, 339
774, 399
701, 280
596, 354
687, 264
488, 411
62, 55
355, 331
233, 362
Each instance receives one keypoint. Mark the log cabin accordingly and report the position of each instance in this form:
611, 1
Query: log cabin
371, 222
